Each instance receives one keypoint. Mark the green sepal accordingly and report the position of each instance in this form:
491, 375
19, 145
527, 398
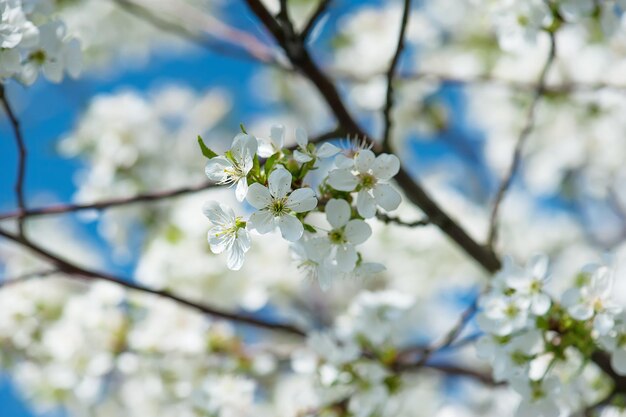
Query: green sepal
256, 167
243, 128
309, 228
206, 151
270, 163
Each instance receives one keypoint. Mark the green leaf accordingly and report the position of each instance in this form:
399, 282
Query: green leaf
243, 128
269, 164
309, 228
205, 149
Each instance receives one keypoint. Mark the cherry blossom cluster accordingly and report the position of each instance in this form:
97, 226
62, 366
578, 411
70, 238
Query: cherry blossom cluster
278, 191
519, 22
32, 40
543, 347
351, 361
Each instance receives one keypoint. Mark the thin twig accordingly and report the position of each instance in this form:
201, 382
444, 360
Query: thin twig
385, 218
21, 162
521, 140
8, 282
105, 204
387, 119
321, 8
84, 274
245, 45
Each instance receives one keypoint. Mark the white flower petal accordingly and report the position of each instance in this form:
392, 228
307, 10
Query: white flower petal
366, 204
342, 180
387, 197
279, 183
262, 221
301, 137
258, 196
290, 227
346, 257
386, 166
277, 134
244, 147
235, 258
216, 167
302, 200
363, 160
242, 189
301, 157
218, 241
327, 150
338, 212
538, 266
317, 248
343, 162
357, 231
218, 213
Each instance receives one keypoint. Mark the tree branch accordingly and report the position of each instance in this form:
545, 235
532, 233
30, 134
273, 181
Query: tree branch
113, 202
521, 140
387, 219
21, 163
84, 274
388, 122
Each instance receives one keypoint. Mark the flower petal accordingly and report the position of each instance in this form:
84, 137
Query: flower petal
216, 168
327, 150
357, 231
279, 183
386, 166
301, 157
346, 257
317, 248
338, 212
258, 196
235, 258
366, 204
218, 241
342, 180
262, 221
218, 213
290, 227
244, 147
242, 189
387, 197
277, 134
301, 137
364, 159
343, 162
301, 200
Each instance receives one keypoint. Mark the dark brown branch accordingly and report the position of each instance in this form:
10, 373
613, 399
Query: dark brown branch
387, 118
321, 8
85, 274
21, 162
521, 140
113, 202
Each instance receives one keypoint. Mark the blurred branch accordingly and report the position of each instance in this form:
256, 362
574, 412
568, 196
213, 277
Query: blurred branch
239, 44
113, 202
521, 140
385, 218
387, 119
21, 162
76, 272
321, 8
7, 282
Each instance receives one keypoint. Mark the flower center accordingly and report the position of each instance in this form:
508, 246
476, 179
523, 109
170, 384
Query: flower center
535, 286
368, 181
336, 236
511, 311
279, 207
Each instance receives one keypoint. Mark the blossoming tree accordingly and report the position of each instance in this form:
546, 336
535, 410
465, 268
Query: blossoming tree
425, 215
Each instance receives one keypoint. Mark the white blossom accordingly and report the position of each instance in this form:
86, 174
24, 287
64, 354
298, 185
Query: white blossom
227, 233
234, 169
277, 205
369, 176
